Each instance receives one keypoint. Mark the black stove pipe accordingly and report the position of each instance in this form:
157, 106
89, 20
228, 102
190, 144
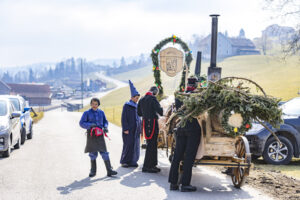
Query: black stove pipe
214, 40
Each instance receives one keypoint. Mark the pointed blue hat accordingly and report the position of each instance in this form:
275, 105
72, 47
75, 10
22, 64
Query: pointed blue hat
133, 90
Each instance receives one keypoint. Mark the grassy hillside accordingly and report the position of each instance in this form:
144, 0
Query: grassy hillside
278, 78
136, 75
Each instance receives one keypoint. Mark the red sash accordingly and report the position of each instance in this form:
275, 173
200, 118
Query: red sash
150, 137
98, 132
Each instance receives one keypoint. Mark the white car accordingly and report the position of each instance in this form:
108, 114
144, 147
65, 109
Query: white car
10, 136
26, 121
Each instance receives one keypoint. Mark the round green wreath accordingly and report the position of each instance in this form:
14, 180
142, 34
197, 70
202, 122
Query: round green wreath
156, 70
233, 131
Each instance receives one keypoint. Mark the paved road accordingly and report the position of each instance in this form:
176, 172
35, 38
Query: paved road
119, 84
53, 166
86, 101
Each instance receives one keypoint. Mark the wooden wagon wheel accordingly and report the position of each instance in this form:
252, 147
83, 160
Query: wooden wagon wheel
242, 151
240, 80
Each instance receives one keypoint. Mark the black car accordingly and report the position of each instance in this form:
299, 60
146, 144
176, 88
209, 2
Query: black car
262, 143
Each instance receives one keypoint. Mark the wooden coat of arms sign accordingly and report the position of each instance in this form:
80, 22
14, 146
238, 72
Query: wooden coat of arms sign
171, 61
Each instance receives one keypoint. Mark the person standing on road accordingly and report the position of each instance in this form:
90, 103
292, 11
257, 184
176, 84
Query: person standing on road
131, 130
187, 143
149, 108
95, 122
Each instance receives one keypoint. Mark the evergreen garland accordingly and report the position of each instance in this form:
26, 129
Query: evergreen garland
224, 97
233, 131
155, 61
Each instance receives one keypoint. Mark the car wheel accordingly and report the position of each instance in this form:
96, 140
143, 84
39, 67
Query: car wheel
23, 135
18, 145
29, 136
276, 155
8, 151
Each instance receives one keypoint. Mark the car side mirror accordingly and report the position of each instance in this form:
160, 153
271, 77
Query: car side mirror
15, 115
26, 109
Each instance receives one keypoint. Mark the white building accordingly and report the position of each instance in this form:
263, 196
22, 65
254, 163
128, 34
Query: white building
228, 46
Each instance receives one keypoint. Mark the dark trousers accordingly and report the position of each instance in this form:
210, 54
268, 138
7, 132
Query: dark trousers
151, 151
186, 150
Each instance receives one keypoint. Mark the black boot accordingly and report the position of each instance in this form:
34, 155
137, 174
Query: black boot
110, 172
188, 188
149, 170
174, 186
157, 169
93, 168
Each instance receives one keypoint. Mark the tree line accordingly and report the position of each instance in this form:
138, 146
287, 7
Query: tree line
71, 69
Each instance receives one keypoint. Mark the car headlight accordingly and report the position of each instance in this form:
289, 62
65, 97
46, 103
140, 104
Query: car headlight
256, 128
2, 141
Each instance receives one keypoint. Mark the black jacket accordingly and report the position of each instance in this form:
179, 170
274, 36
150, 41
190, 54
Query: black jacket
149, 107
190, 126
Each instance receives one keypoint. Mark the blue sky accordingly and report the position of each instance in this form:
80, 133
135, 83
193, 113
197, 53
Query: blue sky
33, 31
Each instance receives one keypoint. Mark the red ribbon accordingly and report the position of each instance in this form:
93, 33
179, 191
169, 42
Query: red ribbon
149, 138
190, 88
98, 132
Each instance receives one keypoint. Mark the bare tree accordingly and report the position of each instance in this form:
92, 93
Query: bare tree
288, 9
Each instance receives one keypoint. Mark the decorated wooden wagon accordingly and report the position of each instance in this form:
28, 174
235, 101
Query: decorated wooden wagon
224, 110
224, 107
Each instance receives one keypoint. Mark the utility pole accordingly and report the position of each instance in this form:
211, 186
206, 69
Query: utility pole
81, 84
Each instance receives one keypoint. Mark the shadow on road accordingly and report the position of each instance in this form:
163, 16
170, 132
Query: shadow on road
2, 156
78, 185
87, 182
209, 186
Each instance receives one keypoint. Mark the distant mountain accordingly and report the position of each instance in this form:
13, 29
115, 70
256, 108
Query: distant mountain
104, 61
117, 61
36, 67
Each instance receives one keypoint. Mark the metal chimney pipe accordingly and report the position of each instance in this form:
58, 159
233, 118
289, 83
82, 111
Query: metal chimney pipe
198, 64
214, 40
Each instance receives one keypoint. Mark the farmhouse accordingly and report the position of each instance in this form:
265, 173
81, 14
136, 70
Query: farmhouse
35, 94
228, 46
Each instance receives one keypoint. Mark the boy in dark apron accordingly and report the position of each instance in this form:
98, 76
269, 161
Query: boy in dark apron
95, 122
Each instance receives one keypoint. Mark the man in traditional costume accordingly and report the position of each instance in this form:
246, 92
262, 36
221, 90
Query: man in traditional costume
131, 130
187, 143
149, 108
95, 122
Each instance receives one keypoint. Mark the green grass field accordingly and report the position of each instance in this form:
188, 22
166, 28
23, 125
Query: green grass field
278, 78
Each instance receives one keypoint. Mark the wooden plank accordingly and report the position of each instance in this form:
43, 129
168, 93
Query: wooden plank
227, 163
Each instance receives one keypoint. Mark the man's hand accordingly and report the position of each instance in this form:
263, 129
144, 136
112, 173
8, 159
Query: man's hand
126, 132
105, 130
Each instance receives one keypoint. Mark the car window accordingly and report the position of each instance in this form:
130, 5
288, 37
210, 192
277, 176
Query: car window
292, 107
3, 108
16, 103
26, 104
22, 104
11, 108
